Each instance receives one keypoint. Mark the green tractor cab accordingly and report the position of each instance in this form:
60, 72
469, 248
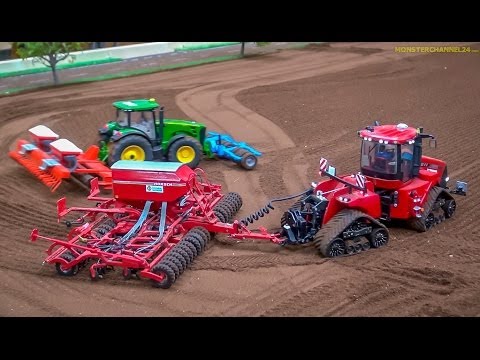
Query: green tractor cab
142, 134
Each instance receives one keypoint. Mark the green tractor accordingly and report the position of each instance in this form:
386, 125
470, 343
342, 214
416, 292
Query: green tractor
139, 133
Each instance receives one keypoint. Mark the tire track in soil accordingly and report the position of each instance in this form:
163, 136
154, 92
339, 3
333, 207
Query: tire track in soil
396, 285
288, 280
30, 293
82, 296
70, 285
306, 301
339, 283
405, 288
243, 262
391, 288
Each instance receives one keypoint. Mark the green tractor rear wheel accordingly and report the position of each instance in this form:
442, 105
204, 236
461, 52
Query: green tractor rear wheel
131, 147
187, 150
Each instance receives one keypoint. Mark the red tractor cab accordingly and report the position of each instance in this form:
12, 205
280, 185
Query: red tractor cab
392, 153
391, 157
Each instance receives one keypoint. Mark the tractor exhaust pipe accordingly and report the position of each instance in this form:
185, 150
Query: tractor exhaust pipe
161, 114
159, 128
157, 142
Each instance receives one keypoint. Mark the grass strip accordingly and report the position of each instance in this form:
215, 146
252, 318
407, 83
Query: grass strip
59, 67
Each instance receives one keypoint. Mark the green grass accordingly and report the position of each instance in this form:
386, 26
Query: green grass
13, 90
128, 73
204, 46
59, 67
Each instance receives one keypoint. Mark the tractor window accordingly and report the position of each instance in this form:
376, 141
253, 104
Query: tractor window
407, 161
142, 116
136, 117
144, 121
381, 158
122, 118
149, 116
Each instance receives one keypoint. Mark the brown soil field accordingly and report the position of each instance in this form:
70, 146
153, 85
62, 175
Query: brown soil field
296, 106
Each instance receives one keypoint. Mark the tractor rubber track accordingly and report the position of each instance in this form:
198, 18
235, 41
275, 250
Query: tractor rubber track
337, 225
419, 224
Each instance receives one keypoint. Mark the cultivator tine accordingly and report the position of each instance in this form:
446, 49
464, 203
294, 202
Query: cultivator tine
45, 177
163, 214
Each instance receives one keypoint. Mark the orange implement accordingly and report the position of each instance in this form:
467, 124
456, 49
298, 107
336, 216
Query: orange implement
50, 169
32, 158
88, 163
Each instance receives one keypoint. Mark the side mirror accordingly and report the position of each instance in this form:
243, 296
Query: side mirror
433, 143
331, 170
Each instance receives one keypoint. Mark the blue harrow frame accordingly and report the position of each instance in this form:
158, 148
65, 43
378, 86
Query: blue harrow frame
226, 147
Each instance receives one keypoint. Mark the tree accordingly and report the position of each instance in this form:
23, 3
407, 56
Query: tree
48, 53
242, 49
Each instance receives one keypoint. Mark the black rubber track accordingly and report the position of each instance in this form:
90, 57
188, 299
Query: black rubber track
337, 225
418, 224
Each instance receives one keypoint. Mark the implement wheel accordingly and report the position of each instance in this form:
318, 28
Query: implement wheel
202, 232
249, 161
168, 276
64, 271
235, 199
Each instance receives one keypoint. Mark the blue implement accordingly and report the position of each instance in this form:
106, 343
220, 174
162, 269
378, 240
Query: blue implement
226, 147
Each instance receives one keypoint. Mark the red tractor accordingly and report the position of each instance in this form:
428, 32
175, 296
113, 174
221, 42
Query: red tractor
346, 214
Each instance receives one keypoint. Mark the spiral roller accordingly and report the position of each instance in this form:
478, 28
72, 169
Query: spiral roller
255, 216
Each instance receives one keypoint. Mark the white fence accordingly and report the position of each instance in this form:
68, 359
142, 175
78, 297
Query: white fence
118, 52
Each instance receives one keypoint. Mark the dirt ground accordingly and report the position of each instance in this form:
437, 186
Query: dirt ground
296, 106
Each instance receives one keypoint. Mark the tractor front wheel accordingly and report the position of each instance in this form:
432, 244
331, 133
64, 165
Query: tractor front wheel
187, 150
132, 147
